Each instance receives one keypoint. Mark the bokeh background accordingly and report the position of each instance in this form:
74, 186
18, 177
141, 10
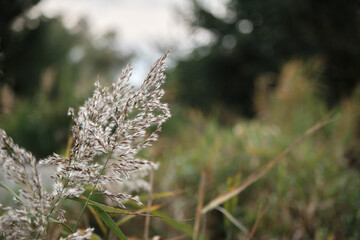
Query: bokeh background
245, 79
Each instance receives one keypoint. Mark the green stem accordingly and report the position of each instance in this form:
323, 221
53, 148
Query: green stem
92, 190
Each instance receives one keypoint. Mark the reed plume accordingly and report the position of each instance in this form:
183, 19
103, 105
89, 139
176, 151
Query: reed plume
108, 131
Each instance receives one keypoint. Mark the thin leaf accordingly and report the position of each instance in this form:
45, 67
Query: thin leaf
98, 220
127, 218
199, 206
155, 196
233, 220
260, 217
61, 223
103, 207
262, 171
160, 195
230, 205
110, 223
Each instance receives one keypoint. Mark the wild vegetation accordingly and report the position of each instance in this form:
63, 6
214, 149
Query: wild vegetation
309, 194
229, 182
263, 142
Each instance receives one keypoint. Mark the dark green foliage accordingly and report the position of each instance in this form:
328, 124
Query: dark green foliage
49, 45
9, 10
224, 72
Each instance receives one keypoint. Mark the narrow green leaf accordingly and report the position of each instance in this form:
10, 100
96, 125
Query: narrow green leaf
234, 201
230, 205
227, 204
103, 207
98, 220
61, 223
109, 222
159, 195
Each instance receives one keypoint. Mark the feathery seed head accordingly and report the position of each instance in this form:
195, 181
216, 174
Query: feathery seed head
116, 122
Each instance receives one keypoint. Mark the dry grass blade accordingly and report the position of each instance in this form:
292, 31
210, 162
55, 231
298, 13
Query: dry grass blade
233, 220
199, 206
262, 171
138, 213
258, 220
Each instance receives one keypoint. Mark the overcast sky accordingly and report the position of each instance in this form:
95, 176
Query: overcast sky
140, 25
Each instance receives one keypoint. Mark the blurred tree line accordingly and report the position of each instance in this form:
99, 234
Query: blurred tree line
254, 38
45, 68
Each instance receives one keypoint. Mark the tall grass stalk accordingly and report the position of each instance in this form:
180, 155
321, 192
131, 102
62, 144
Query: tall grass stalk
116, 123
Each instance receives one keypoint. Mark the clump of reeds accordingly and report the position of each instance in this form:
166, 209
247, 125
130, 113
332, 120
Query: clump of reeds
108, 131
